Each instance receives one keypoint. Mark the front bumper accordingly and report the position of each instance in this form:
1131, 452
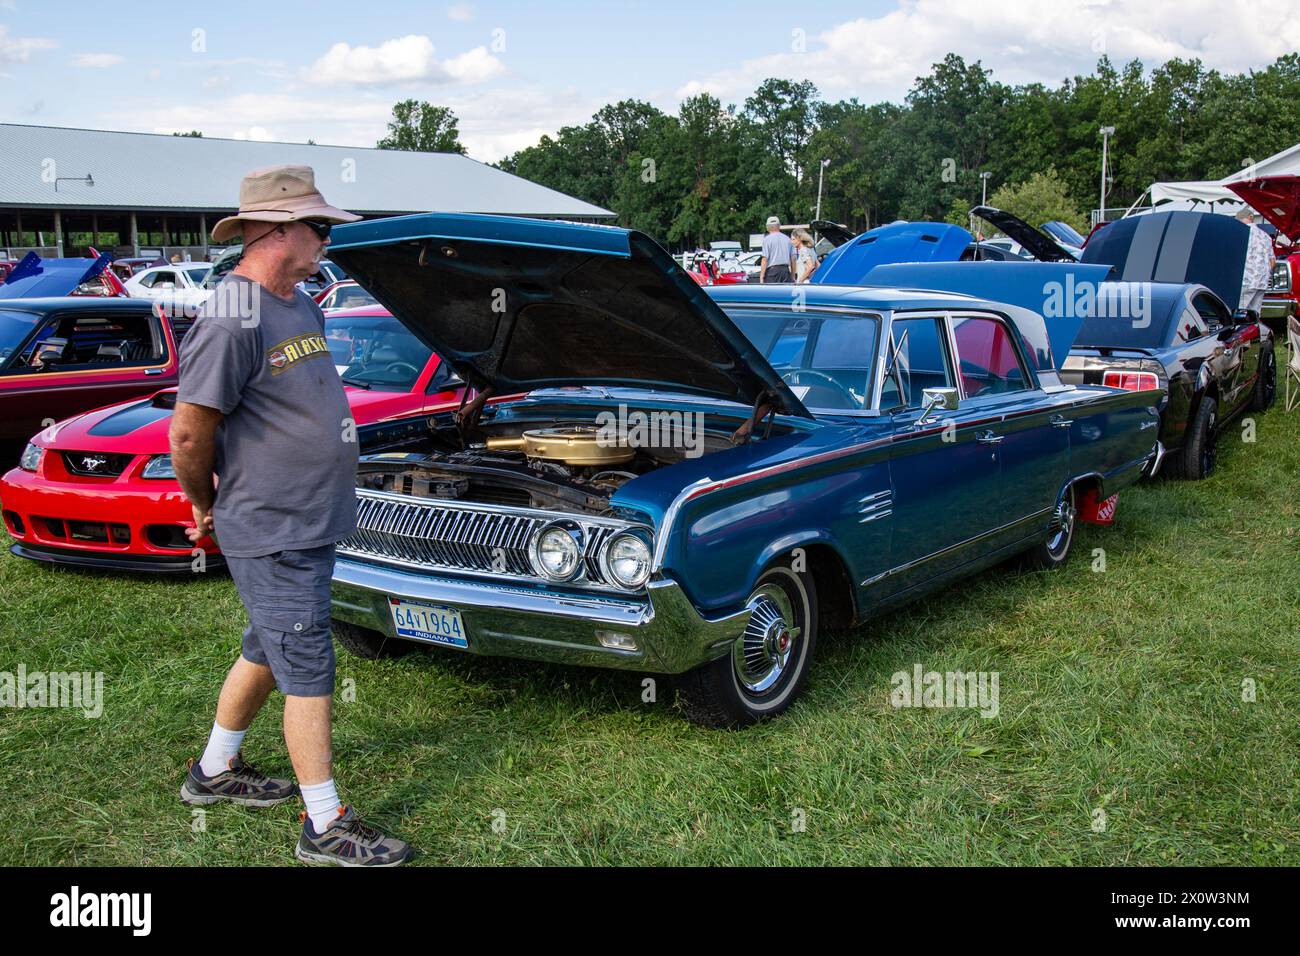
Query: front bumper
43, 514
1275, 310
502, 620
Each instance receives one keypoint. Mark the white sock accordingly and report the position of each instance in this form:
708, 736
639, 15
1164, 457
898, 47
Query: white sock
323, 804
222, 745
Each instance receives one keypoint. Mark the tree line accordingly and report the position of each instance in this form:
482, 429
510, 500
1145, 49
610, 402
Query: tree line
715, 171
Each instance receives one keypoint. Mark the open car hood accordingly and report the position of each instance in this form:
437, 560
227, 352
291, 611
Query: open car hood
520, 304
37, 278
832, 232
1277, 199
1203, 247
1039, 245
898, 242
1029, 285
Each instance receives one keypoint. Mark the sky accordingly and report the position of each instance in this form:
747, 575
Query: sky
514, 71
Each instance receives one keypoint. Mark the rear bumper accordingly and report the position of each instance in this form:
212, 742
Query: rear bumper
669, 634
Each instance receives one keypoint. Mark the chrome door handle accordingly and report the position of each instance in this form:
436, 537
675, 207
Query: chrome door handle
153, 371
1059, 421
988, 438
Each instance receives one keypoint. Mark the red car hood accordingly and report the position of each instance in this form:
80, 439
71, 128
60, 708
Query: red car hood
140, 427
1277, 199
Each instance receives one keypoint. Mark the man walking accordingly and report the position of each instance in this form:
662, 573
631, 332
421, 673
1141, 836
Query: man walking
777, 264
261, 406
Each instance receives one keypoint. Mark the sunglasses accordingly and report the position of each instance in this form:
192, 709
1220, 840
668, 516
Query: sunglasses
318, 226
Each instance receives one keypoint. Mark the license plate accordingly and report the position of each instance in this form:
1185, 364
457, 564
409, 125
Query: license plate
431, 623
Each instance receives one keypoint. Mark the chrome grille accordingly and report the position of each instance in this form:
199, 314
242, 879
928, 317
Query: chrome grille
462, 537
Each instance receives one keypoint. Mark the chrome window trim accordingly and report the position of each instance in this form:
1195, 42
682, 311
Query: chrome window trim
1031, 379
906, 316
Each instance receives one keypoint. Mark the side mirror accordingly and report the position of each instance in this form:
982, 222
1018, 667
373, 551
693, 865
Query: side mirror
945, 399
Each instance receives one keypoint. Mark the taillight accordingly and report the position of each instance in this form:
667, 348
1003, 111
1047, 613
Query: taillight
1131, 381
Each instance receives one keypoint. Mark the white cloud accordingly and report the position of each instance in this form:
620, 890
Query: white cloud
19, 49
474, 66
493, 122
461, 13
97, 61
408, 59
1022, 41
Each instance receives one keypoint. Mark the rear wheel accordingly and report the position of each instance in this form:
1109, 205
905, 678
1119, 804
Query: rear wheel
1200, 454
767, 666
1055, 551
1266, 384
363, 642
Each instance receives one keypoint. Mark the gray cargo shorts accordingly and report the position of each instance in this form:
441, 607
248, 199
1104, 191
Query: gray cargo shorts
287, 596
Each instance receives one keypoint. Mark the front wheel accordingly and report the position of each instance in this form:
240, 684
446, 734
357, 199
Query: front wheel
1055, 551
767, 666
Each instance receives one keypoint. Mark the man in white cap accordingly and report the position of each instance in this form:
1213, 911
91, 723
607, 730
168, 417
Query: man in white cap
261, 406
777, 264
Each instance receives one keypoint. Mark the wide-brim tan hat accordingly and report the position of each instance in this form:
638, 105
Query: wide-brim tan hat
279, 194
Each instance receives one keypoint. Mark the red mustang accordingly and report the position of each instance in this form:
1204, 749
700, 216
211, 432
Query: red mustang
1277, 199
98, 490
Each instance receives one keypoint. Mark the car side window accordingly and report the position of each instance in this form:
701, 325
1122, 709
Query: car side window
920, 361
987, 358
1211, 311
99, 341
1190, 327
163, 280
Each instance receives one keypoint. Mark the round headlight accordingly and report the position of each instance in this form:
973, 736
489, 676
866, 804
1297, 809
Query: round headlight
627, 559
159, 466
557, 552
31, 457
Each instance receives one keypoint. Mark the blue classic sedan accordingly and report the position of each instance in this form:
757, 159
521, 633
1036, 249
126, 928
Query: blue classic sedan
669, 480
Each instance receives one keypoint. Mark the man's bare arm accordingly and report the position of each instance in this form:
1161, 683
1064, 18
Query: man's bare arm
193, 436
762, 269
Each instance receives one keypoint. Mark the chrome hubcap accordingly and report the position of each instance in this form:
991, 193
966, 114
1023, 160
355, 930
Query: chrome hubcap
1065, 514
760, 655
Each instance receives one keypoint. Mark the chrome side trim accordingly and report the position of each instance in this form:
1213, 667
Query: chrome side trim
984, 535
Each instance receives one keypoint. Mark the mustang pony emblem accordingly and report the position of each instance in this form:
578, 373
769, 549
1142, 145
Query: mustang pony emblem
93, 462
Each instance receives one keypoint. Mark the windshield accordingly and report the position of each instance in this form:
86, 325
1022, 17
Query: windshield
375, 350
14, 327
826, 360
222, 266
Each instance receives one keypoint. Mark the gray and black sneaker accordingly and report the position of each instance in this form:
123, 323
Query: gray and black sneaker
349, 842
243, 784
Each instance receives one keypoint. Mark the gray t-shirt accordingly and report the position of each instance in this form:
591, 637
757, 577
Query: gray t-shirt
286, 456
778, 248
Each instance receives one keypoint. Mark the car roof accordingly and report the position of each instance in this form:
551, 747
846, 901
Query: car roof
847, 296
78, 303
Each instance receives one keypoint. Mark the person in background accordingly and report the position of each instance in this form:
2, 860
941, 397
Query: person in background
807, 256
777, 264
1259, 265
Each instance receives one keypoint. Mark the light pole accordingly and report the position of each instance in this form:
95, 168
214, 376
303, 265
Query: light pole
821, 175
984, 188
1106, 133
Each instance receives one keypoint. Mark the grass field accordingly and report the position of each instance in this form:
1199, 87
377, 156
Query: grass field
1120, 692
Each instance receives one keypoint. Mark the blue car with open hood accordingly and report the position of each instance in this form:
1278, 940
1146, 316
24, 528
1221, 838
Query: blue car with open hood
666, 479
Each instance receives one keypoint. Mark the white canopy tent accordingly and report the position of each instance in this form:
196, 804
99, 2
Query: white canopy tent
1215, 194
